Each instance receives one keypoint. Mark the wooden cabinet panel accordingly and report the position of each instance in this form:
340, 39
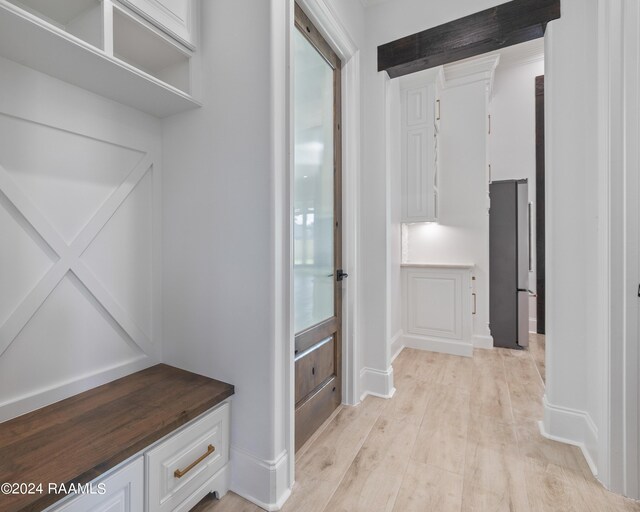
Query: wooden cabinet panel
314, 367
313, 413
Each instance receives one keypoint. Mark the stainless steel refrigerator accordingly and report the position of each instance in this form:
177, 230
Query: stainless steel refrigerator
509, 263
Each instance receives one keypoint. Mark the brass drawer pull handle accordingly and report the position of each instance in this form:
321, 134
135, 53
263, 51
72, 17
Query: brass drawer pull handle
179, 474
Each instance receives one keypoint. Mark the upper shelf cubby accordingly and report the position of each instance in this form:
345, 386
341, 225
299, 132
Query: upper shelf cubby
81, 18
104, 47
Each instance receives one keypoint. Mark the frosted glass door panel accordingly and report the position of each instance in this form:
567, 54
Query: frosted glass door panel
313, 229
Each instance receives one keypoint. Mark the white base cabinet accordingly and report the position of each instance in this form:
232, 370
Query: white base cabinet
438, 308
172, 475
122, 491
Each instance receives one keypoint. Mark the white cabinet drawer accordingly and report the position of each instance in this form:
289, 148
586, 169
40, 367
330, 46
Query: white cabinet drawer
179, 466
175, 17
123, 491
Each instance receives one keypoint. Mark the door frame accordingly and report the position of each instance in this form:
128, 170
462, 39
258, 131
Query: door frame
619, 227
329, 25
540, 208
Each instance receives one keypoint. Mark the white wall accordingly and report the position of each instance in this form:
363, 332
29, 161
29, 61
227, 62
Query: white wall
218, 222
79, 228
574, 385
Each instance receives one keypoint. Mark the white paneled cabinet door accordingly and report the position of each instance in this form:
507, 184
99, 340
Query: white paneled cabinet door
419, 154
175, 17
123, 491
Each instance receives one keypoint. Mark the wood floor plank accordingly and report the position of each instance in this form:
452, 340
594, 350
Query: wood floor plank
410, 399
442, 437
526, 388
533, 445
490, 391
373, 480
552, 489
334, 450
426, 488
493, 480
537, 350
322, 467
491, 433
459, 434
231, 502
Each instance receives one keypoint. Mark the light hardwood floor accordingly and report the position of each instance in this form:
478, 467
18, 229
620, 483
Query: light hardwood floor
460, 434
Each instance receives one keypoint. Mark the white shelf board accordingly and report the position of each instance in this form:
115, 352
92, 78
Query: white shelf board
62, 12
26, 39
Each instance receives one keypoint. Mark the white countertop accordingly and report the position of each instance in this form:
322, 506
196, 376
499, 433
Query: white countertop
438, 265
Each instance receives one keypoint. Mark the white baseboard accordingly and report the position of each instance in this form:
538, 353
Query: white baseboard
533, 325
442, 345
41, 398
396, 345
573, 427
479, 341
377, 383
259, 481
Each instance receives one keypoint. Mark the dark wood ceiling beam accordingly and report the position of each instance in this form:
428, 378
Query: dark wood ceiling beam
512, 23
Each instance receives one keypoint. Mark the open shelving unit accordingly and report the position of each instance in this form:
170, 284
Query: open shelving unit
103, 47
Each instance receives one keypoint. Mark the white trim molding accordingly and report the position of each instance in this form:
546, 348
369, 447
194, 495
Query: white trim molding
573, 427
396, 345
476, 69
325, 19
377, 383
263, 482
442, 345
481, 341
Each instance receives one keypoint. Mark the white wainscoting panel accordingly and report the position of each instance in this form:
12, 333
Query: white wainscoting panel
79, 217
437, 309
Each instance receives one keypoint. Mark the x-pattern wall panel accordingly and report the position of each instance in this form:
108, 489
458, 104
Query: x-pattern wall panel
76, 276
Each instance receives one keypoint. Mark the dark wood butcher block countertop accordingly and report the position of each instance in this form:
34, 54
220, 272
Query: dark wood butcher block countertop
78, 439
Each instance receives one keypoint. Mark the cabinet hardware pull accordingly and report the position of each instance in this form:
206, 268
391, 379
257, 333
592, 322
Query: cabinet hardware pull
179, 474
438, 109
475, 303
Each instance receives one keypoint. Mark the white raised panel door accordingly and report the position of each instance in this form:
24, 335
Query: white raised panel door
437, 309
123, 492
435, 304
418, 154
175, 17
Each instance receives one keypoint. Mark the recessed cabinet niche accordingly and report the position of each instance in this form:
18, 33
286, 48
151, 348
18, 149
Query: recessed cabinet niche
420, 126
138, 52
80, 18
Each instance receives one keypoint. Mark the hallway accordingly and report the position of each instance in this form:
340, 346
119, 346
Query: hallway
460, 434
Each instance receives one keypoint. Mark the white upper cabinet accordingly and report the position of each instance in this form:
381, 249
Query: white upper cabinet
420, 121
142, 53
175, 17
